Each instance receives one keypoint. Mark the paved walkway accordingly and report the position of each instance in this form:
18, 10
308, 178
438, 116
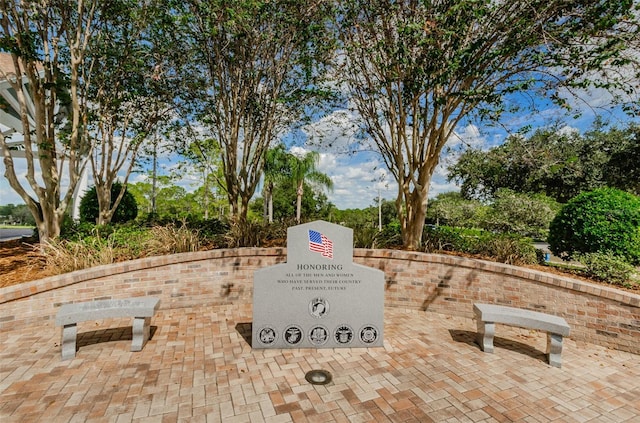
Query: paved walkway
199, 368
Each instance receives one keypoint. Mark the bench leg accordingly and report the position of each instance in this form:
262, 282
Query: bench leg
486, 331
68, 344
554, 349
140, 333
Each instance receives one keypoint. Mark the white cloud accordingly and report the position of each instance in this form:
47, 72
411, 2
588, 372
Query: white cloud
357, 180
359, 177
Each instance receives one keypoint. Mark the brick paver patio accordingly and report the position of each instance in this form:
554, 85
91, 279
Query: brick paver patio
199, 367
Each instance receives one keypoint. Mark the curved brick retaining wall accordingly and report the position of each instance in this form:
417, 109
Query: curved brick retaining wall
430, 282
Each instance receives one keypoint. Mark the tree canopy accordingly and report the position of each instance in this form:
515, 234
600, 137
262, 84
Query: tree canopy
245, 73
553, 162
416, 69
255, 69
48, 43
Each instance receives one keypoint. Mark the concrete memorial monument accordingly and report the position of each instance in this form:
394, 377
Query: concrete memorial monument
319, 298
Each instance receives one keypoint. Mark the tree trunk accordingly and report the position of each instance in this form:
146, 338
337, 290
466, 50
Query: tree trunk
265, 206
270, 207
412, 208
299, 193
413, 224
103, 194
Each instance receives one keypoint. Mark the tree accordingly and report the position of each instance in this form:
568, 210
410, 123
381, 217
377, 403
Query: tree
126, 210
605, 220
452, 209
622, 170
549, 162
142, 192
552, 162
415, 69
130, 95
314, 204
523, 214
256, 66
48, 42
304, 171
173, 203
276, 168
17, 214
203, 157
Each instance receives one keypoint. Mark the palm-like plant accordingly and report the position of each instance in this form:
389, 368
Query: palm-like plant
304, 170
276, 168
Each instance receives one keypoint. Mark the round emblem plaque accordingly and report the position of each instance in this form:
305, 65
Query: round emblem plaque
318, 335
292, 335
343, 334
369, 334
319, 307
267, 335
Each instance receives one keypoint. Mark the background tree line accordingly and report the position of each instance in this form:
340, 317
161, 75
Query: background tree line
559, 164
11, 214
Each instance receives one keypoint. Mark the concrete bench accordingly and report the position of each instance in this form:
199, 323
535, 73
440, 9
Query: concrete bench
140, 308
487, 315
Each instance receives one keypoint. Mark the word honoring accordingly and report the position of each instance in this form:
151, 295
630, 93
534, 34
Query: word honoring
319, 267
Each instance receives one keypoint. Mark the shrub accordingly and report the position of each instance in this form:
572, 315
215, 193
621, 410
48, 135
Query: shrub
505, 248
603, 220
127, 209
525, 214
510, 249
62, 256
364, 236
208, 228
446, 238
607, 268
171, 239
389, 237
256, 234
130, 240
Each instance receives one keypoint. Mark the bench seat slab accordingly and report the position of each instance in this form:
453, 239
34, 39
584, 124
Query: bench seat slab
140, 308
487, 315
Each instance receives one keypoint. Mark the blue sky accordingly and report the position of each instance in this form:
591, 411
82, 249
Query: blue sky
359, 178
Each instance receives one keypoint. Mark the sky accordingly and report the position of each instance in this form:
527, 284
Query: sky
360, 178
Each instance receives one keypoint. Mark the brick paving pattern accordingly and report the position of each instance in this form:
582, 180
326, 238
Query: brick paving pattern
199, 367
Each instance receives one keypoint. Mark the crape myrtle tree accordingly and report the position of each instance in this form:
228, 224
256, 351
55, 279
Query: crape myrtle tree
130, 95
416, 68
255, 69
202, 159
48, 42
